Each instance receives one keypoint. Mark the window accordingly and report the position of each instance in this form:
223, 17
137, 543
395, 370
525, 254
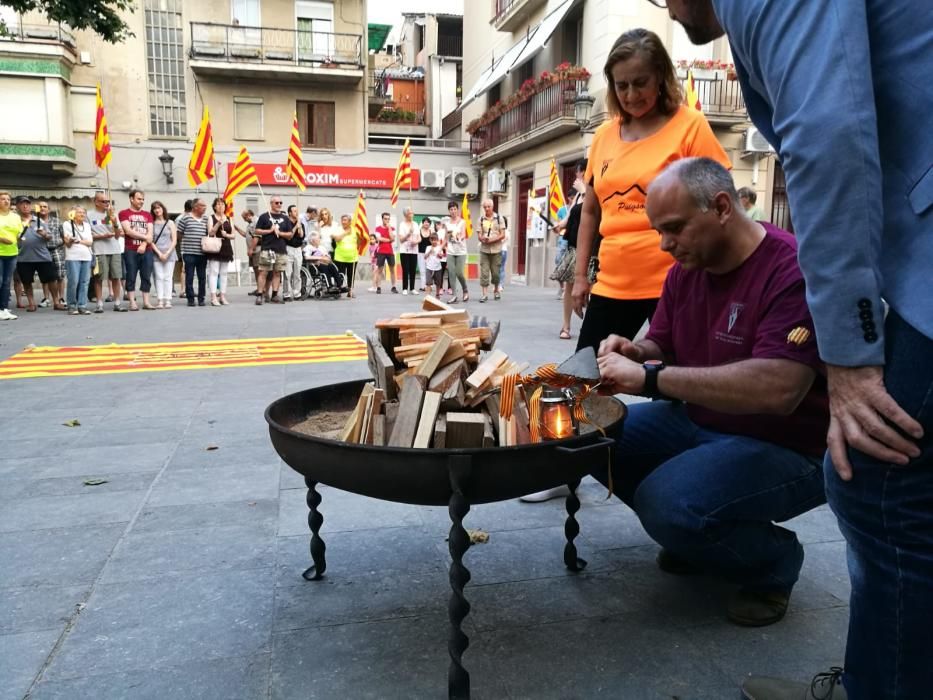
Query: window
165, 62
315, 24
246, 13
247, 119
84, 109
316, 124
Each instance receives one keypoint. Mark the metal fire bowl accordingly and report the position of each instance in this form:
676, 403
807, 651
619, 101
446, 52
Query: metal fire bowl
421, 476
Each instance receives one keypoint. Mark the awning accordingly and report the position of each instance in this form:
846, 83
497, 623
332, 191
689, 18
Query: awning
378, 33
521, 52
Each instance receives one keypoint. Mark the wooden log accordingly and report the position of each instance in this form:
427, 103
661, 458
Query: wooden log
391, 411
420, 335
429, 409
351, 431
486, 368
366, 420
503, 432
440, 432
465, 429
379, 430
490, 342
381, 365
432, 360
447, 375
409, 410
405, 323
492, 408
453, 316
373, 410
432, 303
389, 339
520, 414
454, 399
489, 435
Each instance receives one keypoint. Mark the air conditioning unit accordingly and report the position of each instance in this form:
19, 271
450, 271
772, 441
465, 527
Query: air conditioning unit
497, 181
463, 181
756, 143
432, 179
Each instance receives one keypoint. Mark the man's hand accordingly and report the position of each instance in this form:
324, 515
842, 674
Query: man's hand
580, 295
859, 407
622, 346
620, 374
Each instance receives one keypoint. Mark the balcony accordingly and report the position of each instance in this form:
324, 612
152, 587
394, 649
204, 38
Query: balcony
721, 99
509, 15
545, 115
450, 45
452, 121
234, 51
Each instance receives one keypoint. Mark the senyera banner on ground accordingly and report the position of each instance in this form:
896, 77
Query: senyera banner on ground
271, 174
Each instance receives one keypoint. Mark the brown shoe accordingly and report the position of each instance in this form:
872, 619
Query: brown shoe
758, 608
670, 563
259, 300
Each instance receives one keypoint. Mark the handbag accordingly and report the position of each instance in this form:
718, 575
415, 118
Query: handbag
210, 244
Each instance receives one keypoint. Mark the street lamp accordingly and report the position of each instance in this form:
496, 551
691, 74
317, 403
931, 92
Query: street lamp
582, 106
166, 159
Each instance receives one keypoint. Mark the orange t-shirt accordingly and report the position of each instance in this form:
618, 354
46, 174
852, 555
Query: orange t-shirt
631, 263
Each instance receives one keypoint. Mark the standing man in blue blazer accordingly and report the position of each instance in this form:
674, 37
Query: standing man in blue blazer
842, 90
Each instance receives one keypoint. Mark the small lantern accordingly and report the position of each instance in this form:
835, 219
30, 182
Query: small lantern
582, 106
167, 159
557, 419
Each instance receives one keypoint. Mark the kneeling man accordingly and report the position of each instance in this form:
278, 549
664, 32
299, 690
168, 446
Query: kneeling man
734, 441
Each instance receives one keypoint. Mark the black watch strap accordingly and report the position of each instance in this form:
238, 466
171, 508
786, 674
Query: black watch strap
652, 370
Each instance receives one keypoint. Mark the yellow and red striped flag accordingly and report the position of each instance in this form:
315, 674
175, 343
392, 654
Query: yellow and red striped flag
295, 167
102, 154
465, 213
361, 224
555, 193
691, 96
402, 173
201, 165
242, 176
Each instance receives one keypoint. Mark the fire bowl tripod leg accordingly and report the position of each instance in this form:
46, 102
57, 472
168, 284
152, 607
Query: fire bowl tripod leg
458, 679
572, 529
315, 520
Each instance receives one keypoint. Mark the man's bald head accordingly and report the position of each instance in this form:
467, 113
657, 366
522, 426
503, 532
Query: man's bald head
697, 18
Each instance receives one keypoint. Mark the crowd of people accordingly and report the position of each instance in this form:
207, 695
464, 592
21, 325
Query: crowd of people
100, 256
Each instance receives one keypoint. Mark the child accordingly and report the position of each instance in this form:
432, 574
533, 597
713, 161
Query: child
432, 263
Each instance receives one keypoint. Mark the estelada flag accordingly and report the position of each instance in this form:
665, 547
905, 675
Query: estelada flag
692, 97
295, 167
465, 213
402, 173
201, 165
102, 154
361, 224
242, 176
555, 193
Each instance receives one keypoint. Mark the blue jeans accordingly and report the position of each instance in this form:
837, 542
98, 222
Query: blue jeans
135, 263
505, 256
7, 268
713, 498
886, 516
79, 275
195, 264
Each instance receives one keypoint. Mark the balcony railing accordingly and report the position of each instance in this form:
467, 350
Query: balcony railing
500, 8
401, 112
450, 45
39, 32
239, 44
720, 97
551, 104
451, 121
508, 14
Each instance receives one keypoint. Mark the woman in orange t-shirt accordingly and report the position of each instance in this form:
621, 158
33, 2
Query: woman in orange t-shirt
649, 129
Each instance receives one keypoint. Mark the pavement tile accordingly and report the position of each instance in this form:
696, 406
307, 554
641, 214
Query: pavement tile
105, 458
215, 484
36, 608
214, 549
231, 451
44, 557
18, 488
342, 511
612, 527
244, 678
290, 479
817, 525
69, 511
154, 624
825, 565
21, 658
259, 514
503, 516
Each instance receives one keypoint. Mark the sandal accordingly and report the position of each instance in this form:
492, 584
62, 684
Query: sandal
466, 296
483, 299
496, 296
564, 334
133, 307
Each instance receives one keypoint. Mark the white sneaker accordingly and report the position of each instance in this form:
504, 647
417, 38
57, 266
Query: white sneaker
44, 304
371, 289
6, 315
405, 292
546, 495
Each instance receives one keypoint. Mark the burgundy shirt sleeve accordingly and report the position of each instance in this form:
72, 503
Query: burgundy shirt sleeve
660, 331
786, 328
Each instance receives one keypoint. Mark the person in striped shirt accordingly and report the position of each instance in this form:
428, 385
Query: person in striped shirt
191, 229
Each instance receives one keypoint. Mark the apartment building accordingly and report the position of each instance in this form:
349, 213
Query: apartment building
254, 64
517, 119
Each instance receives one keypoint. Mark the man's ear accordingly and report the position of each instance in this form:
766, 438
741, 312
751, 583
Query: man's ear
724, 206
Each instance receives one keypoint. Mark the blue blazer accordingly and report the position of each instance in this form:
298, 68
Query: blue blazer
843, 90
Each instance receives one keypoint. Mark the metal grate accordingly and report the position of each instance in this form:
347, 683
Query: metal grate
165, 61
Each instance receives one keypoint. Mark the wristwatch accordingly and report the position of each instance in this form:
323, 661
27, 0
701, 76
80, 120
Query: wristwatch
652, 370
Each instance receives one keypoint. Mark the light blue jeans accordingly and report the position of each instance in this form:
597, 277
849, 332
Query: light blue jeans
79, 275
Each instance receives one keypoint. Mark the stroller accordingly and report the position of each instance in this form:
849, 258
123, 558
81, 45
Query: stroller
319, 280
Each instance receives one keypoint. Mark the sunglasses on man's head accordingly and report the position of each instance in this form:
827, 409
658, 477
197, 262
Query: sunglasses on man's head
659, 3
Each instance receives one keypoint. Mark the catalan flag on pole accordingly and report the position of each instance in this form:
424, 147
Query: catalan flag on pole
295, 167
242, 176
692, 97
555, 198
361, 224
102, 154
201, 165
402, 173
465, 213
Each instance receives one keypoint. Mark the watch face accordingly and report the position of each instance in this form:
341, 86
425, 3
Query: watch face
653, 363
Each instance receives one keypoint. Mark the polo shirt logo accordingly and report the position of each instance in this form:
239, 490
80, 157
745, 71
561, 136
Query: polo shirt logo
798, 336
734, 310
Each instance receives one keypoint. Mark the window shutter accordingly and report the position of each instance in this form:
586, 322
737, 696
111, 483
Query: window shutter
302, 108
323, 125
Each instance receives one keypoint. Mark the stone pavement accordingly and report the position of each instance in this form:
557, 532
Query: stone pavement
180, 576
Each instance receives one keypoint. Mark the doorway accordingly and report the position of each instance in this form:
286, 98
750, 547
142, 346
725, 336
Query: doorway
520, 247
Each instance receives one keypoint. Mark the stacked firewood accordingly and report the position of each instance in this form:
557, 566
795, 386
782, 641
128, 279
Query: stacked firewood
433, 386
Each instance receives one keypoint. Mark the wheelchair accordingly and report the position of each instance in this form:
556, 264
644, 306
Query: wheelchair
314, 283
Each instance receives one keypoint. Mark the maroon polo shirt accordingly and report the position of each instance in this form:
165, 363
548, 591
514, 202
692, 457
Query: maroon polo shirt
758, 310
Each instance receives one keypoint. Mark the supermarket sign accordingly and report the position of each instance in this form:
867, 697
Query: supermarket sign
273, 174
